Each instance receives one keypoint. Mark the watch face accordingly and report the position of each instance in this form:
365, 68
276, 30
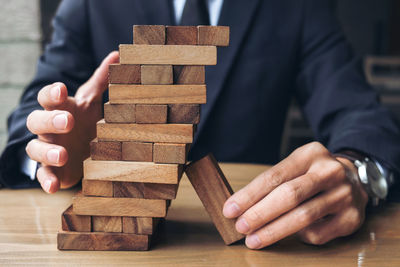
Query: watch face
376, 180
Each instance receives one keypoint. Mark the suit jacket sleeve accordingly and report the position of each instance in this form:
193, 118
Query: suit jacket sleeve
68, 59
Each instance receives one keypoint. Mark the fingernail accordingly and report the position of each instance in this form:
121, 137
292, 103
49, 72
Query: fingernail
231, 210
242, 226
55, 93
53, 155
47, 185
60, 121
252, 241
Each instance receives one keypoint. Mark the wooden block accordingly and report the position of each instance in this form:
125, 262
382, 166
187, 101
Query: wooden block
145, 190
161, 133
170, 153
213, 35
157, 94
110, 224
105, 150
168, 54
213, 190
102, 241
116, 113
97, 188
118, 73
156, 74
128, 171
137, 151
181, 35
139, 225
149, 34
183, 113
73, 222
107, 206
151, 113
189, 74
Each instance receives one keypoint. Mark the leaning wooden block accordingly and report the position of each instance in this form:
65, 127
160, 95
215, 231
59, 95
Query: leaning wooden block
139, 225
184, 113
105, 150
156, 74
168, 54
149, 34
157, 94
127, 171
181, 35
213, 35
110, 224
73, 222
213, 190
189, 74
170, 153
151, 113
118, 73
102, 241
97, 188
162, 133
119, 113
137, 151
145, 190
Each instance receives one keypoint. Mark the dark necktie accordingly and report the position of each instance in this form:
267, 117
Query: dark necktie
195, 13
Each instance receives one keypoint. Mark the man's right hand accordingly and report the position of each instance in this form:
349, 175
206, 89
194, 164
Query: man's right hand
65, 127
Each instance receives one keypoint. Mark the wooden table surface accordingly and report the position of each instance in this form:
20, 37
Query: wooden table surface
29, 220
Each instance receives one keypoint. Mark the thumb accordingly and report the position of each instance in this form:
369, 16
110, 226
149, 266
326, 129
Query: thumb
94, 88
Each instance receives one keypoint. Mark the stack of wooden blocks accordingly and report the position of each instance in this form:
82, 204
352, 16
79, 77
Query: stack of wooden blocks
142, 143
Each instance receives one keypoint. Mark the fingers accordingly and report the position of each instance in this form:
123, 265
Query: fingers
47, 154
45, 122
47, 179
53, 96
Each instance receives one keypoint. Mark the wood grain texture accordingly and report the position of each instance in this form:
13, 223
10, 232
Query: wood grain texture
213, 35
156, 74
168, 54
213, 190
105, 150
127, 171
189, 74
170, 153
118, 73
73, 222
137, 151
139, 225
97, 188
102, 241
162, 133
119, 113
149, 34
151, 113
181, 35
157, 94
110, 224
184, 113
145, 190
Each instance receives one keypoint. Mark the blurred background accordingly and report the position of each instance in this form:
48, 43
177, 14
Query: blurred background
372, 26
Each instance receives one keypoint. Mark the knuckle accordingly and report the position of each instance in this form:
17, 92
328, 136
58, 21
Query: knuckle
273, 178
354, 218
305, 216
291, 193
313, 238
267, 236
254, 216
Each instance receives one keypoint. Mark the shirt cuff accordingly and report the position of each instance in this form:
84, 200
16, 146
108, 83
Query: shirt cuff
28, 166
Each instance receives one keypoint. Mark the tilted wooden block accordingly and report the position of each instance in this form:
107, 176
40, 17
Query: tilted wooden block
151, 113
149, 34
157, 94
213, 190
168, 54
189, 74
119, 113
139, 225
181, 35
156, 74
145, 190
124, 74
170, 153
102, 241
162, 133
105, 150
127, 171
73, 222
137, 151
97, 188
213, 35
110, 224
184, 113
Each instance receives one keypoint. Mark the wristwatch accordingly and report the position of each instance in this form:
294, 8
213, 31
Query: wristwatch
372, 178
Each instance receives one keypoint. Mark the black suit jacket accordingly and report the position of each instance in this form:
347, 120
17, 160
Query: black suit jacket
278, 49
